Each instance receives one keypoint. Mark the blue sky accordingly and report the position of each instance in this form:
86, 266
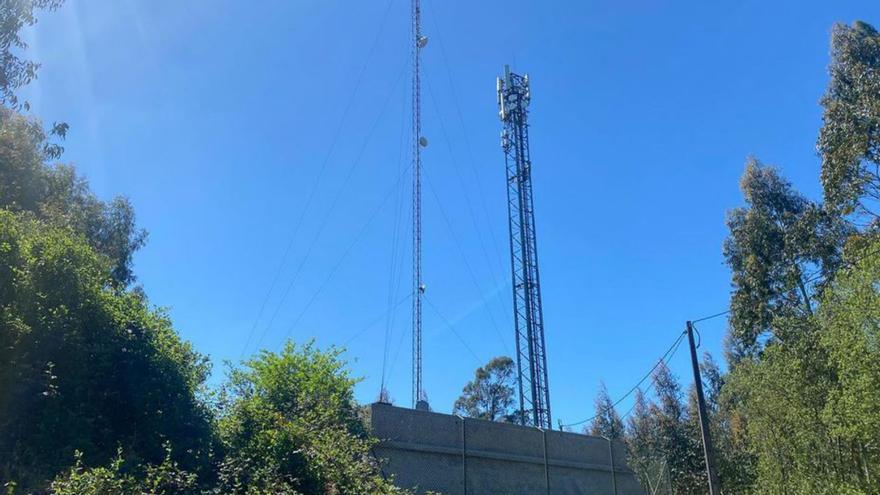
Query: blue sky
216, 118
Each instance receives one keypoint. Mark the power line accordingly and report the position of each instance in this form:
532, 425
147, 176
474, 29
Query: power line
664, 359
647, 389
814, 278
716, 315
678, 341
318, 178
634, 404
847, 265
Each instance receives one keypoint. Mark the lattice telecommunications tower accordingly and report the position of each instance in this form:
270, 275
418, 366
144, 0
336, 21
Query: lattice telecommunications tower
531, 356
419, 399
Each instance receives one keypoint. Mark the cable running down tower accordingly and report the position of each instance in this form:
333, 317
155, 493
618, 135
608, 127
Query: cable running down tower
531, 356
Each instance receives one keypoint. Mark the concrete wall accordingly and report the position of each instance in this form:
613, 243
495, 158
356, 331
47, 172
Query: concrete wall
455, 456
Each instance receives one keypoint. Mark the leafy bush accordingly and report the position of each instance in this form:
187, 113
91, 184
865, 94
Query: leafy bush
289, 420
163, 479
85, 366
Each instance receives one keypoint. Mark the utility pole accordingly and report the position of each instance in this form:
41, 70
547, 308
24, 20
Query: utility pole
704, 418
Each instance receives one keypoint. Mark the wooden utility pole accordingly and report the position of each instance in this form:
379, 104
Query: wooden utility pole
704, 418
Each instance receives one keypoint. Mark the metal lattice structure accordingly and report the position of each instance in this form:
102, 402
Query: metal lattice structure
418, 42
531, 356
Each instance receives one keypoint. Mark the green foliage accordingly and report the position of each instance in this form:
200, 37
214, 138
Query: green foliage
644, 458
780, 250
16, 72
664, 440
490, 395
163, 479
607, 423
86, 367
661, 452
849, 141
850, 322
91, 375
734, 463
289, 422
782, 396
80, 480
57, 195
670, 435
801, 414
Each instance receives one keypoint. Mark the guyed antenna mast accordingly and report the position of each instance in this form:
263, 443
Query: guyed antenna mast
419, 399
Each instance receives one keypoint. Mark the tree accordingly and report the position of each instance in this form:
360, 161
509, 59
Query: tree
648, 463
781, 250
784, 252
781, 397
849, 141
607, 423
850, 320
16, 72
289, 424
713, 382
694, 462
733, 461
87, 367
669, 421
56, 194
491, 394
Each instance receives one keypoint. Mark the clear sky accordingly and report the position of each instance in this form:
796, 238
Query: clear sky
216, 118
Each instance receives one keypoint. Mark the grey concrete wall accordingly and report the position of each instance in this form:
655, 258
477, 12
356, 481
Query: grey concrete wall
455, 456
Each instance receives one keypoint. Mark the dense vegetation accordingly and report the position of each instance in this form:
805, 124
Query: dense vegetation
100, 395
798, 410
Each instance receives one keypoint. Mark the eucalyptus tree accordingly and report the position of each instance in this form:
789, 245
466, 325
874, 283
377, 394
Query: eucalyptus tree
849, 141
644, 458
781, 250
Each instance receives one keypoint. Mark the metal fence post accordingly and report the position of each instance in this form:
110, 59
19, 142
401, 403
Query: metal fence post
463, 456
546, 463
613, 469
